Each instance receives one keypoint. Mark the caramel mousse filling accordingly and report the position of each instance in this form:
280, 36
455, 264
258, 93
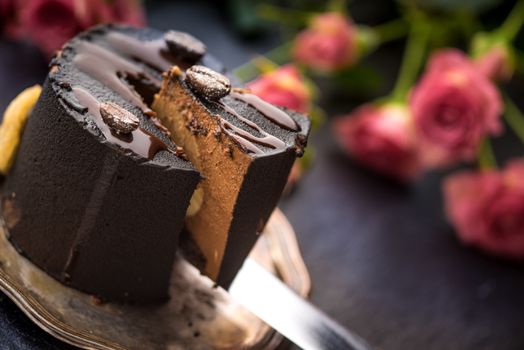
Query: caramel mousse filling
222, 164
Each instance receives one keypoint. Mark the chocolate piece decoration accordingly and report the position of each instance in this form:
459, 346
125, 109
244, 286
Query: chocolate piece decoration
207, 83
118, 119
184, 46
138, 141
268, 110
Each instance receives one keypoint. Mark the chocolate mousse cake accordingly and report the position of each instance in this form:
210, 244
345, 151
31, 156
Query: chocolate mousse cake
98, 192
135, 133
243, 146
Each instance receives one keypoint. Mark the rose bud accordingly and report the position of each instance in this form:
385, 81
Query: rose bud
487, 209
454, 106
328, 44
381, 137
497, 64
283, 87
493, 56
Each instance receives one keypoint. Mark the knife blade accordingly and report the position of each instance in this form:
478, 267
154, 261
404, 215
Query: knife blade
298, 320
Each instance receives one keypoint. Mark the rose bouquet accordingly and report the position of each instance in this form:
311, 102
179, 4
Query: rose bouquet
50, 23
450, 113
443, 111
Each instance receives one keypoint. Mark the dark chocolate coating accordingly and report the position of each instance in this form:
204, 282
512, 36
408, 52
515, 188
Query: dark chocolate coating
91, 214
258, 197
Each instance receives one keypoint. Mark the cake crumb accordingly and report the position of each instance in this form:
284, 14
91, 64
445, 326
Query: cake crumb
176, 71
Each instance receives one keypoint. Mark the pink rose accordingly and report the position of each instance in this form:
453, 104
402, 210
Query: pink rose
90, 12
454, 106
50, 23
381, 137
330, 43
496, 64
487, 209
283, 87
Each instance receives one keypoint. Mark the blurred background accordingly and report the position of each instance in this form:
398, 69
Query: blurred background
388, 254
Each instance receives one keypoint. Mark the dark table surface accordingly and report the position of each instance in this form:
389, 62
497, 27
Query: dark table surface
383, 261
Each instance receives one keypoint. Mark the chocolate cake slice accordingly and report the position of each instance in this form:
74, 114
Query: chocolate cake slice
101, 185
244, 148
98, 192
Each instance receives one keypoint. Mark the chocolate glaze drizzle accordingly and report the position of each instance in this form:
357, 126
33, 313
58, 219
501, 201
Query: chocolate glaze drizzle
271, 112
105, 66
245, 138
113, 70
155, 52
125, 78
139, 141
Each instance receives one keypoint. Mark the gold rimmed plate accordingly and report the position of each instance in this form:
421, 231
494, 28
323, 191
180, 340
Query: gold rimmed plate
197, 316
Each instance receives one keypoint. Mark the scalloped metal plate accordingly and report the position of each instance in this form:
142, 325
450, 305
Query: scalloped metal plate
198, 316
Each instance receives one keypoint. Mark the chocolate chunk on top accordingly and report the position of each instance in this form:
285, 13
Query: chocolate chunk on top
184, 46
118, 118
208, 83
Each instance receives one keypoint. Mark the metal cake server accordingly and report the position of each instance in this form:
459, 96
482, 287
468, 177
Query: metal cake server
268, 298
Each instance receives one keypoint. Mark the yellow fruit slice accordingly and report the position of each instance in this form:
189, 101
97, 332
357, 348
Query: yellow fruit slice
13, 123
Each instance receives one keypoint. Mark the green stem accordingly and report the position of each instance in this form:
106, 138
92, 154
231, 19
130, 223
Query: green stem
284, 16
280, 54
250, 70
514, 118
412, 59
390, 31
337, 6
486, 157
511, 26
